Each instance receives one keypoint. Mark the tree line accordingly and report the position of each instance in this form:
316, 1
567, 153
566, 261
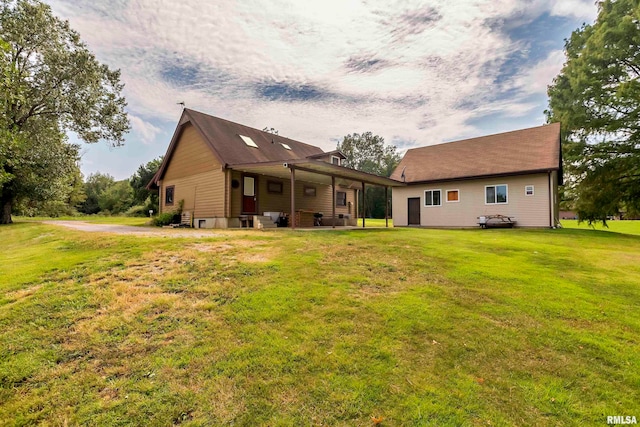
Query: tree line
100, 194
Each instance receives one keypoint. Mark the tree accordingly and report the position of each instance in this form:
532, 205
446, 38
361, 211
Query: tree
66, 203
139, 181
368, 153
96, 185
51, 84
117, 198
596, 97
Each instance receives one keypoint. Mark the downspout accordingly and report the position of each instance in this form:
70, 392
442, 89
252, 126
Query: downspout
226, 211
293, 197
550, 202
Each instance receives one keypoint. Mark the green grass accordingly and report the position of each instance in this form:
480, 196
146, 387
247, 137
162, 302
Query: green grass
625, 227
421, 327
120, 220
375, 222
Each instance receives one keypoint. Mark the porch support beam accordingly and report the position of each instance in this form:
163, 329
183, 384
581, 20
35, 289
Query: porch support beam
364, 204
293, 198
386, 206
333, 202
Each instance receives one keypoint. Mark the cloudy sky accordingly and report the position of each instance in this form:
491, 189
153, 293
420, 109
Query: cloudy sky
415, 72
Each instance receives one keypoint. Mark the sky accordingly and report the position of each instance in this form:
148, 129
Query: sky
414, 72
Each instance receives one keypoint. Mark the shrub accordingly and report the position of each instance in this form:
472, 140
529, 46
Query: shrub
137, 211
166, 219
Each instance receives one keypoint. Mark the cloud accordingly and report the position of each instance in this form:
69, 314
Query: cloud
145, 130
411, 71
580, 9
286, 91
541, 75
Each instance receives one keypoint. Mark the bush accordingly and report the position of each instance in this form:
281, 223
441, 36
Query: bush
166, 219
140, 211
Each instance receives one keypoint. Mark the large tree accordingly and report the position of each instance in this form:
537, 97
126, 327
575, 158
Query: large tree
139, 181
368, 153
596, 97
95, 187
117, 198
51, 84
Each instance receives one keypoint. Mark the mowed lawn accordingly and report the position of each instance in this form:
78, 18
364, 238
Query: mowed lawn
280, 328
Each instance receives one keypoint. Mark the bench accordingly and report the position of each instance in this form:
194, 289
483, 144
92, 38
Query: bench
496, 221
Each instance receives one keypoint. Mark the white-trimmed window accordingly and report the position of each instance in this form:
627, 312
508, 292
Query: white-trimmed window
528, 190
335, 160
496, 194
432, 198
453, 196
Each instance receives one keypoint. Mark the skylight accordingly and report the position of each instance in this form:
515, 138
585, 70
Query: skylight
248, 141
285, 145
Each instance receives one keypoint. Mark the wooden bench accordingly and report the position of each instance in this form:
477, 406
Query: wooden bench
496, 221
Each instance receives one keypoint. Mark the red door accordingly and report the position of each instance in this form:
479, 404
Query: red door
249, 195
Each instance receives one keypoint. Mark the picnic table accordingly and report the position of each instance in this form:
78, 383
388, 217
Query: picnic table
496, 221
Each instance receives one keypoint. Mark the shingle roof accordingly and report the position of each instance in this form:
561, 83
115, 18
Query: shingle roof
521, 151
223, 137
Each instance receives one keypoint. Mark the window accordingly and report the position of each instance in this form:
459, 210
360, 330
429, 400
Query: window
495, 194
286, 146
453, 195
335, 160
309, 191
274, 187
528, 190
341, 198
168, 195
248, 141
432, 198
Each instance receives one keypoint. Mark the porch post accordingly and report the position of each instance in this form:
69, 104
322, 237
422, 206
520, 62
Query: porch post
293, 198
364, 204
333, 203
386, 206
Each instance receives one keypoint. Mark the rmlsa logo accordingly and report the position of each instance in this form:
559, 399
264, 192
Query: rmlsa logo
619, 419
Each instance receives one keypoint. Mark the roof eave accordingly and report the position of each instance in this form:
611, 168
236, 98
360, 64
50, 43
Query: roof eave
311, 165
495, 175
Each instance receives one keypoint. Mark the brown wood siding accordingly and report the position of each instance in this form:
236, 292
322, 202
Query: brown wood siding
197, 177
270, 202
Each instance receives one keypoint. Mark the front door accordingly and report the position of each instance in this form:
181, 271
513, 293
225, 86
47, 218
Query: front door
414, 211
249, 195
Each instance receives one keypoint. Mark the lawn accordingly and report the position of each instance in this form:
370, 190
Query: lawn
294, 328
625, 227
375, 222
97, 219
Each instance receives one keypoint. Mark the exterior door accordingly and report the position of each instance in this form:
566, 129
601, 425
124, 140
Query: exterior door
413, 211
249, 195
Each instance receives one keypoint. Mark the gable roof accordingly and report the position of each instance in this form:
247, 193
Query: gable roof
223, 138
522, 151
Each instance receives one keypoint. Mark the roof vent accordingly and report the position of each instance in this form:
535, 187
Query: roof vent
285, 145
248, 141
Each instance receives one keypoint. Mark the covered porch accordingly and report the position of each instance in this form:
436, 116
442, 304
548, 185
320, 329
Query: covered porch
303, 213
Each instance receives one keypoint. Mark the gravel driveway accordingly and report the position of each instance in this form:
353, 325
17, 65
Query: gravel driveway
129, 229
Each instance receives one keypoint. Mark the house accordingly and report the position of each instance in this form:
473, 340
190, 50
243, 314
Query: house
513, 176
225, 174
